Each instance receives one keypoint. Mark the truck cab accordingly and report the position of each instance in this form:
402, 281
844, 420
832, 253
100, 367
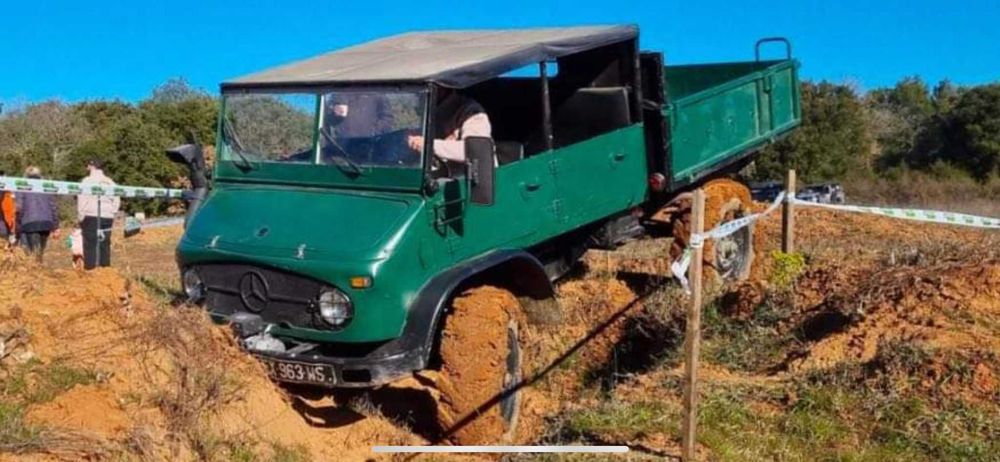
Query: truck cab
335, 236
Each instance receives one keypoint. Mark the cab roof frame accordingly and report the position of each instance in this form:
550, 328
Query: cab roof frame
452, 59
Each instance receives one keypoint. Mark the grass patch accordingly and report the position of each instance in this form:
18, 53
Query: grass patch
16, 436
622, 421
287, 453
882, 410
35, 382
753, 345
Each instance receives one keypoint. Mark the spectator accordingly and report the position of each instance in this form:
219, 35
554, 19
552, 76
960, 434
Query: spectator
96, 214
37, 217
8, 216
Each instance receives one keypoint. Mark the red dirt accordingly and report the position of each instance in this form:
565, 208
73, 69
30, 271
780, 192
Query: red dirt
99, 321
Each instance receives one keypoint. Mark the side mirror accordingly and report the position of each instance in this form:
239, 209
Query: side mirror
190, 155
479, 158
193, 157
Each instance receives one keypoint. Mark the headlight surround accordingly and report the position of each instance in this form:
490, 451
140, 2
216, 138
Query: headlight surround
194, 287
335, 307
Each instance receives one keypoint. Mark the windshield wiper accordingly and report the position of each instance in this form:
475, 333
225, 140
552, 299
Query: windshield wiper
342, 162
231, 135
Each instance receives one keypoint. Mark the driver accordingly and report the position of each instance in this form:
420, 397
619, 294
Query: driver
456, 117
358, 115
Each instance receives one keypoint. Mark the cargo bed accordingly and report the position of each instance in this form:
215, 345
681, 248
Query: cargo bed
718, 114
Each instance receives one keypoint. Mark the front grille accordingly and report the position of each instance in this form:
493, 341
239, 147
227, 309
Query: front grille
278, 297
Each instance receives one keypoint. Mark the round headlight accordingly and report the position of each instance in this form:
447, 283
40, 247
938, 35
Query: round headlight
194, 288
335, 308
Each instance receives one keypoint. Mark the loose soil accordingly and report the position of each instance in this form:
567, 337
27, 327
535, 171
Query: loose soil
164, 375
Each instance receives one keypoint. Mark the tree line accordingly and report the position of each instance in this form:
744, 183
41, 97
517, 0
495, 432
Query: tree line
947, 130
130, 138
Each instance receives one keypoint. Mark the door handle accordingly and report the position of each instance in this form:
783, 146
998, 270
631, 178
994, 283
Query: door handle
618, 156
532, 186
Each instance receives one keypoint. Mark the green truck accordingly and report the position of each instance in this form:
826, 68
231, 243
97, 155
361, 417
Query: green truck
338, 250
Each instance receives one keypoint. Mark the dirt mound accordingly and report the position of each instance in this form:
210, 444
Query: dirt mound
102, 359
141, 379
954, 307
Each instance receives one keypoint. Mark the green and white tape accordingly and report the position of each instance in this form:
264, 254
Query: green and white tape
680, 267
70, 188
927, 216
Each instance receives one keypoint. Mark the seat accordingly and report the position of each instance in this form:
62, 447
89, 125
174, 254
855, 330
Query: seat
590, 112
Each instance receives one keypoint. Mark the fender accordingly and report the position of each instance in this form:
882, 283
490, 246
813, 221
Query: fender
517, 270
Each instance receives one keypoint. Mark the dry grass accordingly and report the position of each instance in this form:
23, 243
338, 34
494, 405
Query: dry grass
200, 382
943, 191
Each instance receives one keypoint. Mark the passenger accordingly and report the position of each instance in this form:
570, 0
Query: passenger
37, 217
455, 118
96, 214
8, 216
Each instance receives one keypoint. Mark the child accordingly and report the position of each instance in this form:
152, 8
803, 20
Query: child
76, 246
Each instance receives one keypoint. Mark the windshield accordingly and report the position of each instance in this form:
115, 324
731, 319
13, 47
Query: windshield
350, 129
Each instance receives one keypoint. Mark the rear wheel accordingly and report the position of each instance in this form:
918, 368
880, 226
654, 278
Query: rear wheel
481, 363
731, 257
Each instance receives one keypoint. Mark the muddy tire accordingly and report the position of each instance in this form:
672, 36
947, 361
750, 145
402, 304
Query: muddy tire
480, 352
730, 258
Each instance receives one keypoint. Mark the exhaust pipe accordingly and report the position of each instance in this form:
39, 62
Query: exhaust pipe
193, 157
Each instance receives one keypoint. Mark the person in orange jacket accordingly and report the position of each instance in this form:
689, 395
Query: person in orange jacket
8, 217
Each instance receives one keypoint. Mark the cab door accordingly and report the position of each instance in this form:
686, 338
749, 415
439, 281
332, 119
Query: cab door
522, 208
599, 177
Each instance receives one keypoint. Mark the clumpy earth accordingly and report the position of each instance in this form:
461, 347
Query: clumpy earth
879, 341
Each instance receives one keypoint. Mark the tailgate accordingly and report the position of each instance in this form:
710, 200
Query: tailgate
720, 113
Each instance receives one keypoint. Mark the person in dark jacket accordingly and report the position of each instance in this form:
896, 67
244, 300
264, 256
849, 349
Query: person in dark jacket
358, 114
37, 217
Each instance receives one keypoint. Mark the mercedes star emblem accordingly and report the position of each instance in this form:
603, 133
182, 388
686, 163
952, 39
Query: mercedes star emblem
254, 291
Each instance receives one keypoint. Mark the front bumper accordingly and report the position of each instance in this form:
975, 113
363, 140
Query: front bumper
353, 365
362, 372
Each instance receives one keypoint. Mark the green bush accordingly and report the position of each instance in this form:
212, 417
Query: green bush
787, 268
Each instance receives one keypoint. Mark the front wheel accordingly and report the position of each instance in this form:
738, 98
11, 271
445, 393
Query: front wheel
478, 398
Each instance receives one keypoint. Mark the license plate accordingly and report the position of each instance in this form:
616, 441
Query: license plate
291, 371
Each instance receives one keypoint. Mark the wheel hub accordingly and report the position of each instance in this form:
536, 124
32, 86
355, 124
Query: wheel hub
510, 397
730, 251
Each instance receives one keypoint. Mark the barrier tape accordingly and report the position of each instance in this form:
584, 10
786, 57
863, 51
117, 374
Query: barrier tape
680, 267
70, 188
927, 216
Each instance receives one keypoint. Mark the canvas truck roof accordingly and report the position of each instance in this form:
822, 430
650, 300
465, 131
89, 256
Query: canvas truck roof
455, 59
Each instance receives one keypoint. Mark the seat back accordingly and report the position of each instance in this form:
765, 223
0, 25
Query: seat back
590, 112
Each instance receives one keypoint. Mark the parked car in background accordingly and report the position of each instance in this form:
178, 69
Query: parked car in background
823, 193
766, 191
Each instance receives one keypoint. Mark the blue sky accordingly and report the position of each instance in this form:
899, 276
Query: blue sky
75, 50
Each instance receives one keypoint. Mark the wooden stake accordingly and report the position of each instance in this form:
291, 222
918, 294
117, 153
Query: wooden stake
788, 215
692, 339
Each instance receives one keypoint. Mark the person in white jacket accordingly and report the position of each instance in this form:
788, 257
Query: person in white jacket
456, 117
96, 215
